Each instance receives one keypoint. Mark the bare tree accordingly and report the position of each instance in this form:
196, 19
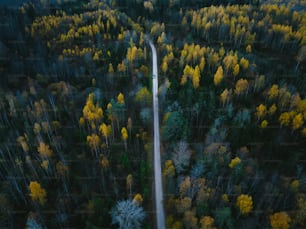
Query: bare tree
181, 156
127, 214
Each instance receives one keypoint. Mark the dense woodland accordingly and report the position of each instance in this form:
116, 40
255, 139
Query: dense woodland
76, 129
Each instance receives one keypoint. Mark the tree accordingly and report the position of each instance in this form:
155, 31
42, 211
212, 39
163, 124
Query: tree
284, 119
272, 109
128, 215
261, 111
94, 142
110, 68
190, 220
143, 96
44, 150
259, 82
241, 87
106, 131
181, 156
137, 199
245, 204
297, 121
169, 133
129, 182
236, 70
37, 193
280, 220
244, 63
124, 136
120, 98
264, 124
207, 222
226, 96
218, 77
183, 204
196, 77
273, 91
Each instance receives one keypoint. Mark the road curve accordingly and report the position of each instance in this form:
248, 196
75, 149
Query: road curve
160, 214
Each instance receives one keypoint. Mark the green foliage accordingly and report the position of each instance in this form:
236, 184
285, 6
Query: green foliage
223, 218
174, 128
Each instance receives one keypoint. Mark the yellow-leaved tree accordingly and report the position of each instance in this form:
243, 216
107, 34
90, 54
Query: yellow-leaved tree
143, 96
37, 193
273, 91
218, 77
241, 87
196, 77
120, 98
124, 136
261, 111
106, 131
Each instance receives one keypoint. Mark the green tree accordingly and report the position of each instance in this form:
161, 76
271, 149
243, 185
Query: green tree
174, 128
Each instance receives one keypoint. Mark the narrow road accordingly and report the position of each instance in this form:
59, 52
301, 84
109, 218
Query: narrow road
160, 215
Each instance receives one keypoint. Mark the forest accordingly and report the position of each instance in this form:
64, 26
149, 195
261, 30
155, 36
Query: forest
76, 113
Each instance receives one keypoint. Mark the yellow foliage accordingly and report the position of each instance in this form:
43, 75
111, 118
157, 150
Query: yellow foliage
245, 204
36, 128
92, 112
169, 169
207, 222
138, 199
225, 198
280, 220
104, 162
124, 134
297, 121
166, 116
120, 98
190, 220
129, 180
261, 111
82, 121
44, 150
105, 130
45, 164
264, 124
236, 70
96, 56
272, 109
37, 193
143, 95
241, 86
110, 68
284, 119
273, 92
234, 162
183, 80
164, 67
185, 186
93, 141
248, 49
202, 64
196, 77
218, 77
244, 63
226, 96
183, 204
23, 142
295, 184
